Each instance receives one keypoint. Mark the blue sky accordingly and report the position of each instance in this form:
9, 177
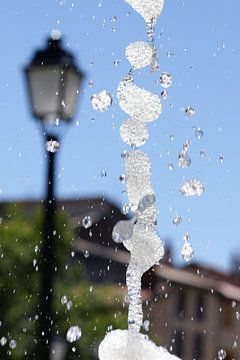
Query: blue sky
203, 38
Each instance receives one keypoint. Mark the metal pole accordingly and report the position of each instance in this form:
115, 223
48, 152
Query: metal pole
47, 265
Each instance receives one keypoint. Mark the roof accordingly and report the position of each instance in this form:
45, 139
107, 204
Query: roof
184, 276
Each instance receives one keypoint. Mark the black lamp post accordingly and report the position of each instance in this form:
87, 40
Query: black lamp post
53, 82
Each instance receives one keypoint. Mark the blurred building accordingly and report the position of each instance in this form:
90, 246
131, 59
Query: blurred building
194, 311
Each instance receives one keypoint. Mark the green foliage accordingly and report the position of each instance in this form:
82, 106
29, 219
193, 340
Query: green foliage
91, 307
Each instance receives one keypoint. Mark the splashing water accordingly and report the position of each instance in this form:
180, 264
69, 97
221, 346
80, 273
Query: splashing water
148, 9
222, 354
139, 54
87, 222
184, 160
187, 251
101, 101
166, 80
134, 132
192, 188
52, 146
139, 234
137, 102
129, 345
189, 111
73, 334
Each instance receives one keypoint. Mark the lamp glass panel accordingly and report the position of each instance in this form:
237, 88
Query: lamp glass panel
44, 86
71, 87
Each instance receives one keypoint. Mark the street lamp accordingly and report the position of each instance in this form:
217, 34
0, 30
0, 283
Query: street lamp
53, 82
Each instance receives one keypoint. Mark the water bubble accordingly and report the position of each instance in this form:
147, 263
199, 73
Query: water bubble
164, 94
134, 132
52, 146
192, 188
3, 341
73, 334
87, 222
177, 220
123, 230
222, 354
184, 160
12, 344
101, 101
166, 80
189, 111
198, 133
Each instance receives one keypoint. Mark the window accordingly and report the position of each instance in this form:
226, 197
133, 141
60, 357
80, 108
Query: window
178, 342
198, 347
200, 307
181, 306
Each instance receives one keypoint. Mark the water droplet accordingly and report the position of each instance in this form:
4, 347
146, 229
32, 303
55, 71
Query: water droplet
103, 174
186, 145
90, 83
137, 102
146, 202
187, 251
64, 300
73, 334
3, 340
177, 220
125, 209
139, 54
146, 325
222, 354
189, 111
101, 101
87, 222
122, 178
170, 166
69, 305
192, 188
134, 132
86, 254
198, 133
12, 344
237, 315
164, 94
184, 160
52, 146
202, 153
221, 159
170, 54
116, 62
166, 80
123, 230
